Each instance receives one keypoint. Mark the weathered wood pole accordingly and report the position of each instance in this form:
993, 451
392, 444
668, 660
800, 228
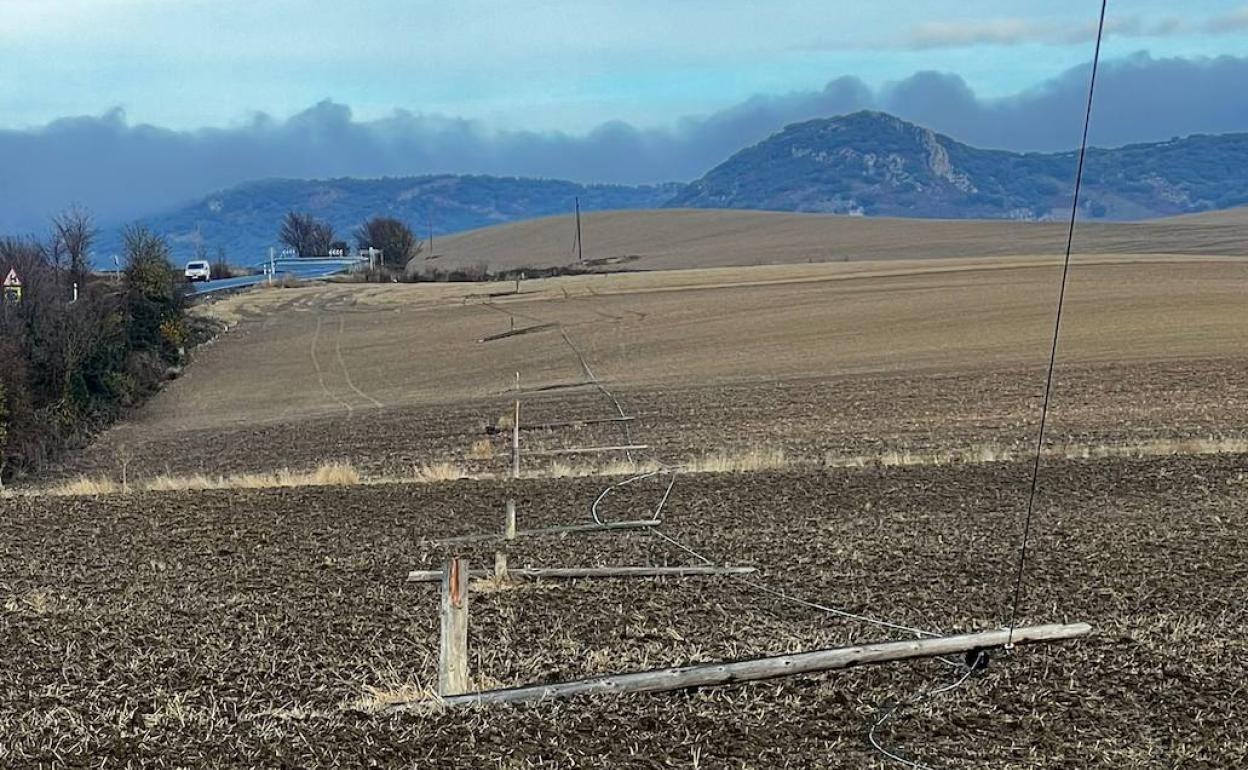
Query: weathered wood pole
509, 528
591, 449
515, 434
453, 652
769, 668
577, 573
500, 566
564, 529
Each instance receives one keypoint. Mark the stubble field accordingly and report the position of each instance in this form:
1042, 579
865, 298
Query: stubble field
255, 628
880, 417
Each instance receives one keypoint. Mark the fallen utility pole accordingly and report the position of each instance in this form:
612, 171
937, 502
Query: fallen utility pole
492, 429
560, 530
516, 332
576, 573
547, 388
711, 674
590, 450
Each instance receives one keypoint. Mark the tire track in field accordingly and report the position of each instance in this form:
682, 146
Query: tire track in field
342, 364
320, 372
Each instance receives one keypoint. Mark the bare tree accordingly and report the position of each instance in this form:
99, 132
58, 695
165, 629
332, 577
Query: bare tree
306, 235
322, 239
394, 238
73, 233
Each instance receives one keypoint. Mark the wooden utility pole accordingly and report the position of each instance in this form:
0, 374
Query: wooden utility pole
591, 449
453, 652
710, 674
509, 526
580, 256
564, 529
509, 534
515, 434
579, 573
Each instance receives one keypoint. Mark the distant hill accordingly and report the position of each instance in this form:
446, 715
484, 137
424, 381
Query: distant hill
874, 164
867, 163
244, 220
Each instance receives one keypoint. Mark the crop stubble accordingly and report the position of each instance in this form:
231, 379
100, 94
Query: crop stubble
233, 627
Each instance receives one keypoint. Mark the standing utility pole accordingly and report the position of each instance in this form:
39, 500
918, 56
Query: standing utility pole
580, 257
515, 434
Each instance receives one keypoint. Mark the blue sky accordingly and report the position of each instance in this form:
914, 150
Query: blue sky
543, 64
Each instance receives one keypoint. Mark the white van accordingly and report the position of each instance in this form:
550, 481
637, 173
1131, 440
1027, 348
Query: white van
198, 271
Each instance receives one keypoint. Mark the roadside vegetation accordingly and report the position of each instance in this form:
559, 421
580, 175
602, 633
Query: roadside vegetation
70, 366
404, 256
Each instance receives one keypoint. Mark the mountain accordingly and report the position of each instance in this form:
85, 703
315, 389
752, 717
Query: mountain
872, 163
244, 220
867, 163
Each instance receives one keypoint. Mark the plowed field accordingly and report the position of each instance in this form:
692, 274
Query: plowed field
267, 627
241, 628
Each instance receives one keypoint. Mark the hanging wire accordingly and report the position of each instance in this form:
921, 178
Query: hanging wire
889, 712
1057, 328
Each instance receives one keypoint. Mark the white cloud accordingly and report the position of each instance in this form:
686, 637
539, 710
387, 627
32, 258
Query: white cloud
81, 159
1020, 30
1230, 23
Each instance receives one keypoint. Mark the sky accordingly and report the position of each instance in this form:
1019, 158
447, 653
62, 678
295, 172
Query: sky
206, 93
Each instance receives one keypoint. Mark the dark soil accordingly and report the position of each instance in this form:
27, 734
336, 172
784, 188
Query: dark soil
240, 628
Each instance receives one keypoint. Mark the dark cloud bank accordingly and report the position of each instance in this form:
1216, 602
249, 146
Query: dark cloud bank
123, 171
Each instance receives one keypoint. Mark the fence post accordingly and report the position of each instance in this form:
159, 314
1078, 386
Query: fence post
453, 653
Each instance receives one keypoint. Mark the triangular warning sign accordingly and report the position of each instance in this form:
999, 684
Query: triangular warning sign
12, 279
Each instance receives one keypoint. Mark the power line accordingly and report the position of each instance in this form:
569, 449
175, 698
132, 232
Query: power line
1057, 328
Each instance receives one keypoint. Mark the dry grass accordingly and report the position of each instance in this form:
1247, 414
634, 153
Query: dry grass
1155, 448
324, 475
391, 688
493, 584
761, 459
436, 472
481, 449
376, 699
335, 474
985, 453
560, 469
749, 461
84, 486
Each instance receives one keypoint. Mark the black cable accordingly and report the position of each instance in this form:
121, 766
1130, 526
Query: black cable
1057, 327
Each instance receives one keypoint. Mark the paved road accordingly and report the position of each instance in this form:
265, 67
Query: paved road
309, 269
